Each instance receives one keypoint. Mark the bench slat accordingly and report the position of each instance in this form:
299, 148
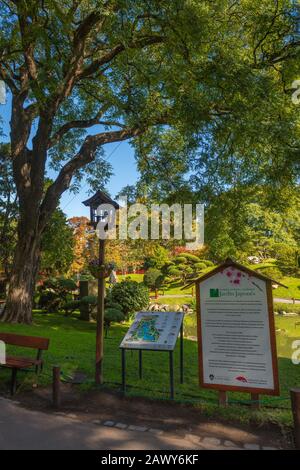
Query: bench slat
13, 362
33, 342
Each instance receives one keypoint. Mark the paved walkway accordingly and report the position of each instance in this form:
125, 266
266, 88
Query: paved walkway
24, 430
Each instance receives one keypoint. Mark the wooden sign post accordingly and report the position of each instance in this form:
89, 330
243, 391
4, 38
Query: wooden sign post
236, 332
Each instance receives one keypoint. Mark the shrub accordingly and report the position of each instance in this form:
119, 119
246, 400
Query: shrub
200, 266
190, 257
112, 315
49, 301
180, 260
56, 293
70, 307
131, 295
174, 271
273, 272
207, 262
153, 279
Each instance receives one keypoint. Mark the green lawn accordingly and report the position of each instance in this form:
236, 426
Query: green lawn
72, 346
133, 277
293, 284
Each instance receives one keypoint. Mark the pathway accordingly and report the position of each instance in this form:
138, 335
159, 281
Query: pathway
23, 429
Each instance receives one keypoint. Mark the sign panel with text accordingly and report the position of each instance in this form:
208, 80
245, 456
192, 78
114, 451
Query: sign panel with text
236, 332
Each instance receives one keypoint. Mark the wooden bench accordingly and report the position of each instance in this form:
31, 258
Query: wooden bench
16, 363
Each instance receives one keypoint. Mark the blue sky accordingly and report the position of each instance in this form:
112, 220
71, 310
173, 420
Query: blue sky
121, 157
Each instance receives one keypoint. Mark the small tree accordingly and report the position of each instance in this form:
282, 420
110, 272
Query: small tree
131, 295
158, 259
153, 279
54, 294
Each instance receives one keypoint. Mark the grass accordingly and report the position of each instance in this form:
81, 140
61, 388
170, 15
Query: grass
175, 288
133, 277
292, 291
72, 346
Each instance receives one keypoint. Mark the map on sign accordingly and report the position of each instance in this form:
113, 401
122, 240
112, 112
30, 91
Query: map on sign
153, 330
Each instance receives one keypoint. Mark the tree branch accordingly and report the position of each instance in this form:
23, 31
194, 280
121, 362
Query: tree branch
109, 56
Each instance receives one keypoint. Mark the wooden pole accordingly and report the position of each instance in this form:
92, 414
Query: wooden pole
56, 394
100, 317
255, 401
223, 399
295, 402
181, 353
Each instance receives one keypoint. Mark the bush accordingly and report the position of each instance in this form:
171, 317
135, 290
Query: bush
112, 315
70, 307
174, 271
180, 260
287, 258
190, 257
151, 276
200, 266
89, 300
49, 301
153, 279
273, 272
54, 294
207, 262
131, 295
112, 311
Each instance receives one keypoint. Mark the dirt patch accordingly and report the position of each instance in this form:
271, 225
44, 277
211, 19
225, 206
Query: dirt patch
174, 418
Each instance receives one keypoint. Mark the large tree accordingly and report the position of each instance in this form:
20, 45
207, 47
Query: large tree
138, 69
8, 210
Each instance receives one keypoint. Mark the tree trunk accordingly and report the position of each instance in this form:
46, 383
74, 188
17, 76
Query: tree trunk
18, 307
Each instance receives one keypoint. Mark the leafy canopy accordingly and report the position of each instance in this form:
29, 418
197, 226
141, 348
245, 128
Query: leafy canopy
174, 75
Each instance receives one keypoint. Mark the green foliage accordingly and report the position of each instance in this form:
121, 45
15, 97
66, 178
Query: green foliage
112, 315
251, 222
70, 306
89, 300
153, 278
222, 247
190, 257
57, 245
56, 294
287, 257
207, 262
273, 272
180, 260
200, 266
131, 295
159, 258
174, 271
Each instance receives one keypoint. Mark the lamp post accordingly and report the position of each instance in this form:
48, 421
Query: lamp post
102, 208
